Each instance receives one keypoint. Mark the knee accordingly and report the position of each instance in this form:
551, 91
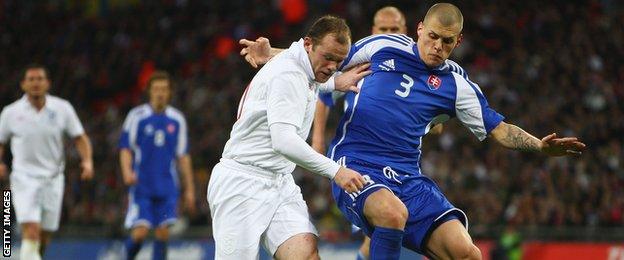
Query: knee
162, 233
471, 252
139, 233
392, 216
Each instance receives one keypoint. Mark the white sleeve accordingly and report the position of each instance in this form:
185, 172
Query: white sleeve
73, 127
286, 142
330, 85
182, 148
5, 132
287, 98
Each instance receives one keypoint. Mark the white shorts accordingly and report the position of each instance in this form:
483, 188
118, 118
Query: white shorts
250, 207
38, 199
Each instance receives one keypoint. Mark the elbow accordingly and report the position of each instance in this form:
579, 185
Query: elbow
278, 145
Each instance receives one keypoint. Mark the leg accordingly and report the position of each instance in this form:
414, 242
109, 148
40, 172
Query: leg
135, 241
241, 209
451, 241
31, 241
364, 253
300, 246
388, 215
46, 237
160, 246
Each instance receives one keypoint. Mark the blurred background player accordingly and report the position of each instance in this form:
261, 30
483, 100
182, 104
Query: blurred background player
153, 142
35, 125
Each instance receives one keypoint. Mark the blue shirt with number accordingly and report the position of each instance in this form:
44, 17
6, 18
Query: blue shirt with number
156, 140
400, 101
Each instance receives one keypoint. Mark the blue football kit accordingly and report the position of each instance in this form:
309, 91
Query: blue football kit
156, 141
380, 134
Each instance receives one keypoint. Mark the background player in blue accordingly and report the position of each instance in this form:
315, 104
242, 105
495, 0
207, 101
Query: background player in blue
412, 87
153, 142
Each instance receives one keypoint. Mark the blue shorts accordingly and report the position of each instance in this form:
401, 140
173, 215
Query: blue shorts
151, 211
426, 205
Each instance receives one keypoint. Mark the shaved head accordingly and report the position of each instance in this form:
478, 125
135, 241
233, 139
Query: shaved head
389, 20
445, 14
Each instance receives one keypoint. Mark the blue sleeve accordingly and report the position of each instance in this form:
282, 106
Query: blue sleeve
327, 99
364, 49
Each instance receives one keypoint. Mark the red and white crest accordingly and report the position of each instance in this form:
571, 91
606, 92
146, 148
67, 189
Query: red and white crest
434, 82
170, 128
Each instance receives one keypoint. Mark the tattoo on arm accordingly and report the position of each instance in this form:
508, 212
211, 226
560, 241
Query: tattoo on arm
518, 139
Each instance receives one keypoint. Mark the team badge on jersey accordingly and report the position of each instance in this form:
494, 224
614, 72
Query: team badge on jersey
170, 128
434, 82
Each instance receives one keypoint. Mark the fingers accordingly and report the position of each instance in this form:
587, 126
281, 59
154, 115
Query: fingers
246, 42
362, 67
262, 40
365, 73
251, 61
549, 137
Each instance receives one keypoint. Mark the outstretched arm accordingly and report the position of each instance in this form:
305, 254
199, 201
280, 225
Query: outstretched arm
258, 52
513, 137
83, 145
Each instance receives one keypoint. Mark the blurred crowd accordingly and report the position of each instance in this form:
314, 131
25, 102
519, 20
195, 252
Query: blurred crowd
547, 66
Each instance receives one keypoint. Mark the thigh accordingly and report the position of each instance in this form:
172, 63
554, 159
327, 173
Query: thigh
26, 197
291, 219
140, 210
449, 240
52, 202
428, 209
164, 211
241, 207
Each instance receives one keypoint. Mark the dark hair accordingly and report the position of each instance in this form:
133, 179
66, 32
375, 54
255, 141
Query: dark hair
33, 66
330, 25
159, 75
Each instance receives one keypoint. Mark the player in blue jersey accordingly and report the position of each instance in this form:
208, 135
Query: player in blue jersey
153, 143
412, 87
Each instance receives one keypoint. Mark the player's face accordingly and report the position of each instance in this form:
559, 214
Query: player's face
436, 42
35, 83
389, 23
325, 56
159, 93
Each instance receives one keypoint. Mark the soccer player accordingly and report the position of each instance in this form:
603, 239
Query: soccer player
35, 124
413, 86
153, 142
252, 195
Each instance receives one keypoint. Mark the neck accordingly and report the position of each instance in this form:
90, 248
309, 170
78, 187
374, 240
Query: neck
158, 108
37, 101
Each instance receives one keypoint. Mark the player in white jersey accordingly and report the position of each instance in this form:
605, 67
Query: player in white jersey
252, 195
35, 125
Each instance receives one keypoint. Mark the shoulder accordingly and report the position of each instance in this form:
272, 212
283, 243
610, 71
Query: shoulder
175, 114
139, 112
398, 41
59, 102
13, 106
453, 67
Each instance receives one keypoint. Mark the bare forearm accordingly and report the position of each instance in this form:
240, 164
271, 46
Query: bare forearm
83, 145
125, 161
320, 124
185, 165
513, 137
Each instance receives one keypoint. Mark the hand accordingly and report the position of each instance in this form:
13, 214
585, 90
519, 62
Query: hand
553, 146
256, 52
87, 170
130, 178
349, 180
3, 170
189, 201
348, 80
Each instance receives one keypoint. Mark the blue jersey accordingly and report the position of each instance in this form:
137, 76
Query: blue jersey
156, 140
400, 101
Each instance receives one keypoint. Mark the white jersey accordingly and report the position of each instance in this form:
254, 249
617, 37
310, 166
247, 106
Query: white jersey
285, 82
37, 136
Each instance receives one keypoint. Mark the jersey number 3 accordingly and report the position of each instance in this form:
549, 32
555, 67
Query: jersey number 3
407, 85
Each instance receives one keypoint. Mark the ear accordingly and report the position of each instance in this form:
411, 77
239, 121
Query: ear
419, 28
459, 39
307, 44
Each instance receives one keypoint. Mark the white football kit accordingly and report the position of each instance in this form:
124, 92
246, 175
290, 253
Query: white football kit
252, 195
37, 179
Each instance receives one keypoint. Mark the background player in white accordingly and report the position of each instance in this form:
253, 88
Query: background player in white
252, 195
35, 125
154, 141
